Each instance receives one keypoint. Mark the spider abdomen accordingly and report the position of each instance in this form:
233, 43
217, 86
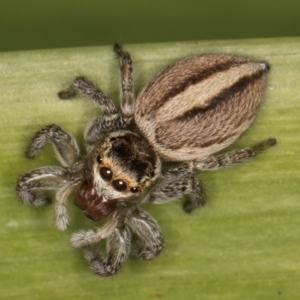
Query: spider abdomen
200, 105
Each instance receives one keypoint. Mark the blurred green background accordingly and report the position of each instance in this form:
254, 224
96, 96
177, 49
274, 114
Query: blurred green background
39, 24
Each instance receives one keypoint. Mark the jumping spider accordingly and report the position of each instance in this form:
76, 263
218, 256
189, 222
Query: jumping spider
188, 112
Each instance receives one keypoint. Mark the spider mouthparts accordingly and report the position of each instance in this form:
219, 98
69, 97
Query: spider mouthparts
95, 207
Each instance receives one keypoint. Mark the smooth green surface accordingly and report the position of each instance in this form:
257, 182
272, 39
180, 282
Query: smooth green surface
244, 244
37, 24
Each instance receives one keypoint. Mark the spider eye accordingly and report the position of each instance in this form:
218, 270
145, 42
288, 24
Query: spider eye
134, 189
99, 159
106, 173
119, 185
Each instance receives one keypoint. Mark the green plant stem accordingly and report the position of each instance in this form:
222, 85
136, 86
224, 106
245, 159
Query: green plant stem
243, 245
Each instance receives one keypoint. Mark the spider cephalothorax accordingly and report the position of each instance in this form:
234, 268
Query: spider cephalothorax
188, 112
118, 172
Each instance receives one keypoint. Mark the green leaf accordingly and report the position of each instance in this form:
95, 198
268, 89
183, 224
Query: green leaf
244, 244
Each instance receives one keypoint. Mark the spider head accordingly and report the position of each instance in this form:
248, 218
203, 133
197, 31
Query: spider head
123, 166
119, 171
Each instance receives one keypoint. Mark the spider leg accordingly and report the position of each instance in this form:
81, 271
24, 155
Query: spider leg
110, 120
30, 185
118, 248
176, 182
127, 97
86, 238
65, 145
151, 241
61, 215
233, 157
85, 87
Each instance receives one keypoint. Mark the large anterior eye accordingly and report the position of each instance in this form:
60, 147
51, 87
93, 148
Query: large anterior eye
119, 185
106, 173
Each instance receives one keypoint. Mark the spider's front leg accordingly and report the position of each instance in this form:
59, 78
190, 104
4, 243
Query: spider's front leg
30, 186
118, 246
151, 241
176, 182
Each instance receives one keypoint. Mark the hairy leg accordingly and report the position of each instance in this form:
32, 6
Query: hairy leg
176, 182
83, 86
110, 120
233, 157
118, 248
30, 186
86, 238
151, 241
65, 145
61, 215
127, 97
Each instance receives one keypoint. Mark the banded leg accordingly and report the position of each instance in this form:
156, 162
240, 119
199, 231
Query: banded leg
111, 118
30, 188
127, 97
151, 241
31, 185
61, 215
176, 182
118, 248
233, 157
85, 87
65, 145
86, 238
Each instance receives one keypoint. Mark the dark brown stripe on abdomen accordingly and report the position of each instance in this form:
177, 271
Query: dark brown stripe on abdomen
231, 108
181, 75
224, 95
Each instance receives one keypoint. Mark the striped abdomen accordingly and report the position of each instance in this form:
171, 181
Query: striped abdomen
200, 105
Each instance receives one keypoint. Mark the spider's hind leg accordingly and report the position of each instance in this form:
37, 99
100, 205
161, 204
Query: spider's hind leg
233, 157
